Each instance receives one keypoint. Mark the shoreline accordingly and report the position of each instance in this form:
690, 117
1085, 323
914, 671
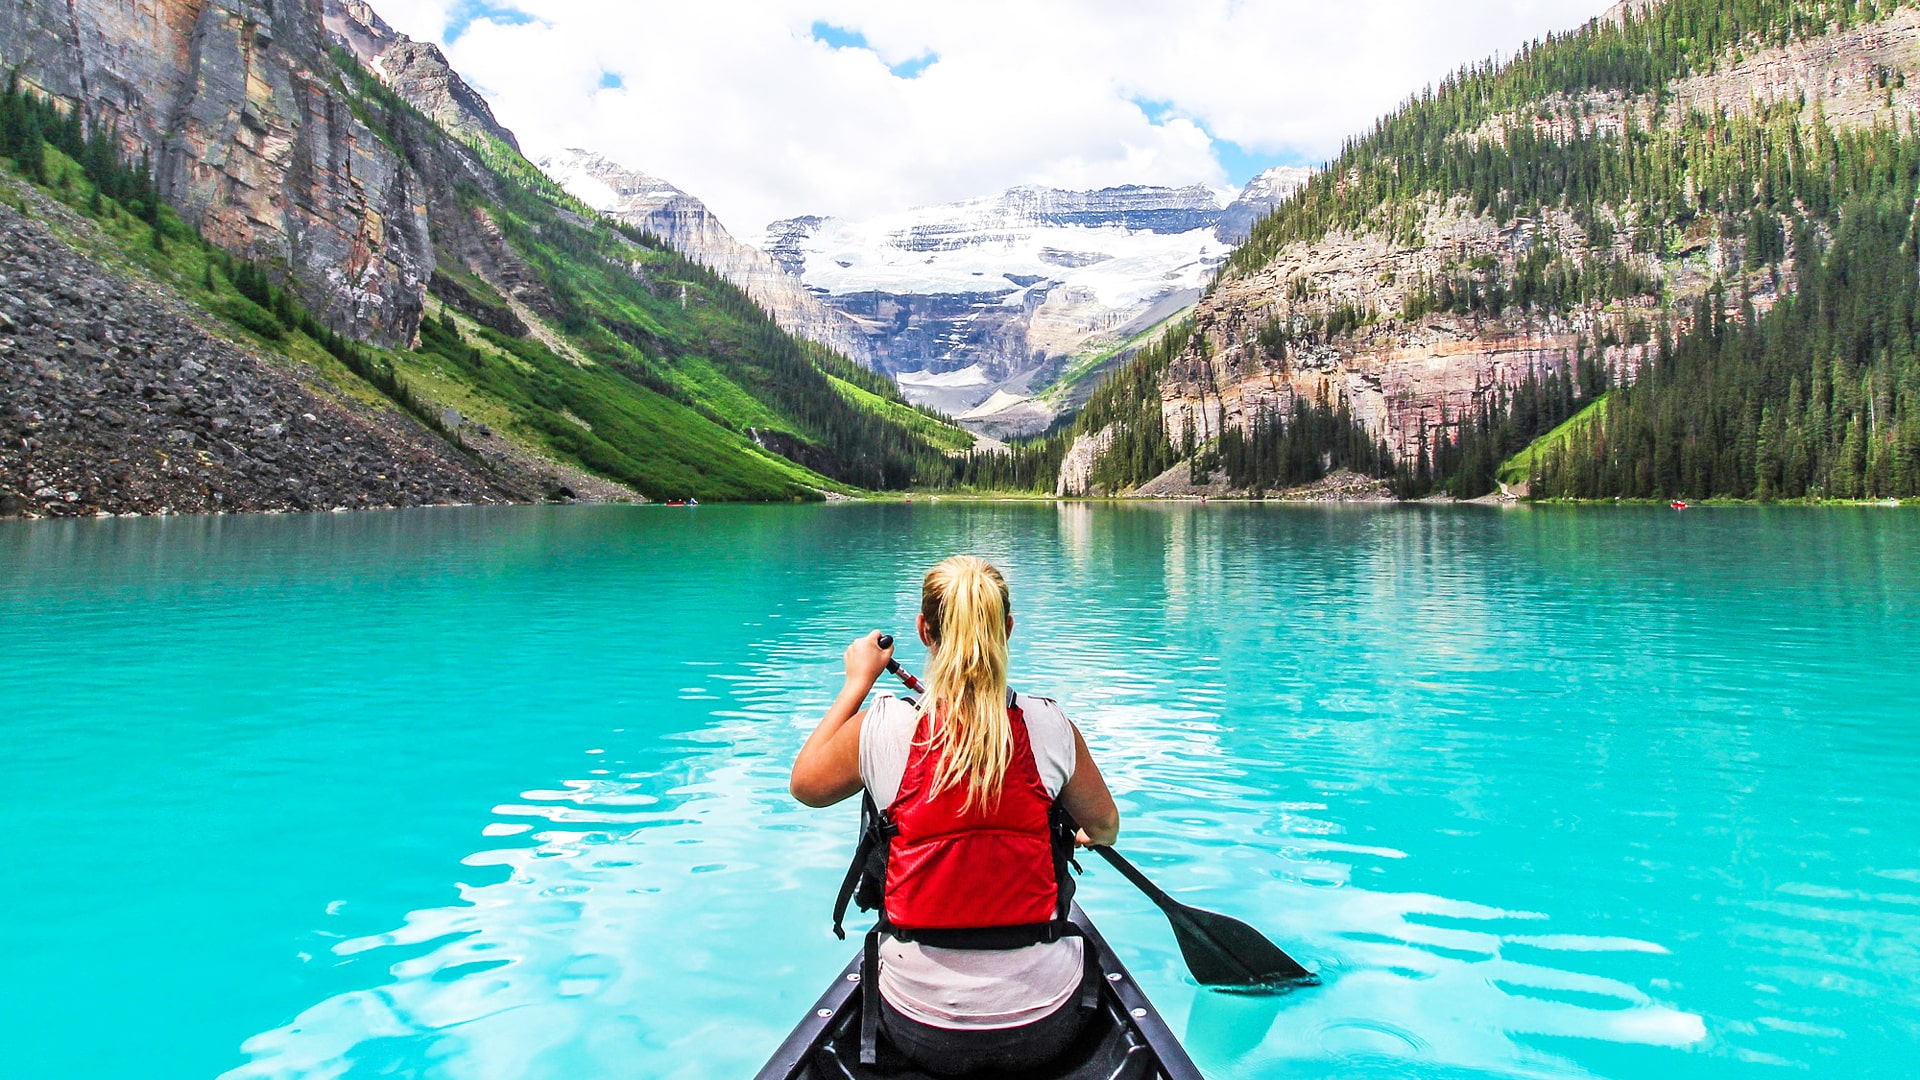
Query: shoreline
1006, 498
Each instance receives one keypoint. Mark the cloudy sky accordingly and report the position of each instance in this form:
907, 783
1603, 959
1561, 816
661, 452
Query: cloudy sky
772, 108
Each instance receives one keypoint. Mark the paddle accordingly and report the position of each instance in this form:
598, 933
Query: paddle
1220, 951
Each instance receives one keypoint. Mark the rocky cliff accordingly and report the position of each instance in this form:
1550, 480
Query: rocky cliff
336, 157
685, 222
1402, 377
1347, 316
238, 106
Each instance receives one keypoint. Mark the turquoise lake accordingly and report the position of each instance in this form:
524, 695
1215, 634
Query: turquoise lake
501, 793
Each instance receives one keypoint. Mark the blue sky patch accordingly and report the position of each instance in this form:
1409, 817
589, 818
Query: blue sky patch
911, 69
839, 37
1240, 163
612, 81
467, 12
1158, 112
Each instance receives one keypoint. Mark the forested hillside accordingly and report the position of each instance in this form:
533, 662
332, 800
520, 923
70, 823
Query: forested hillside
1654, 209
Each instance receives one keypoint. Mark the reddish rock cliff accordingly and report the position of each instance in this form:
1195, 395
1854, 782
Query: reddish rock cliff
239, 107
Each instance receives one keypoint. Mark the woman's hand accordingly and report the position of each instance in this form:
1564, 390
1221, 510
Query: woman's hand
865, 660
828, 768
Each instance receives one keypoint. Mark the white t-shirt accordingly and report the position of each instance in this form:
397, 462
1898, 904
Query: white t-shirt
971, 989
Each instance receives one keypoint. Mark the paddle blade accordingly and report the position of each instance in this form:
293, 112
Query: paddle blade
1220, 951
1223, 951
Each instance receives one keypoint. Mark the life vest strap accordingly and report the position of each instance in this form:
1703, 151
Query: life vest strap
875, 831
987, 937
870, 999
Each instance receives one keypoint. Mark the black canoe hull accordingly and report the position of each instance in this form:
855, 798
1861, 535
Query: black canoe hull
1126, 1040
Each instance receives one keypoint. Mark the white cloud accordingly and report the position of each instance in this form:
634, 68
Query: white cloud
736, 102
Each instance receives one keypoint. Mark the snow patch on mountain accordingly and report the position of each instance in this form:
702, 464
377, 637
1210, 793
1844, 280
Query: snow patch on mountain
1115, 265
972, 375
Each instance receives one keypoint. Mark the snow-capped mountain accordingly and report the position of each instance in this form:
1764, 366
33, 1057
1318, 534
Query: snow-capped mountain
686, 224
1257, 200
989, 300
967, 298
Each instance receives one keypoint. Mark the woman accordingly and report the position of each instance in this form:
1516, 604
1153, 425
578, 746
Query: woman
977, 968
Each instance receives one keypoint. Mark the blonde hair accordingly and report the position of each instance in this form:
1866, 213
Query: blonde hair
965, 602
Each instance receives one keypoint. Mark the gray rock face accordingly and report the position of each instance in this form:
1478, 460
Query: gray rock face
416, 70
251, 140
784, 239
686, 224
1133, 207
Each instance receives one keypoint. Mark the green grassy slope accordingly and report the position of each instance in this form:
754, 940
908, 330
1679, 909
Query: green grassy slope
686, 386
1085, 370
1519, 468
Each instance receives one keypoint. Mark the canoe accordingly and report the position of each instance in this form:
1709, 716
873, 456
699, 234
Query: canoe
1125, 1040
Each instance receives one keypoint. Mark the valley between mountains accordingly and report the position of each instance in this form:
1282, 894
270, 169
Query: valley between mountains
283, 257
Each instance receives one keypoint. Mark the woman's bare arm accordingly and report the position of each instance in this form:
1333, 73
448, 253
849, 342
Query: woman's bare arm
1086, 797
827, 769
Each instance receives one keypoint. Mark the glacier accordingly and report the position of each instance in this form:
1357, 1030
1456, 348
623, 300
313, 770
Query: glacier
977, 307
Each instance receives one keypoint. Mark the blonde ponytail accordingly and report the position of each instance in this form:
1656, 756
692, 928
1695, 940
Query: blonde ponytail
965, 603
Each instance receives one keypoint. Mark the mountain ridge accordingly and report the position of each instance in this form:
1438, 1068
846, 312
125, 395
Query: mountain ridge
684, 222
998, 297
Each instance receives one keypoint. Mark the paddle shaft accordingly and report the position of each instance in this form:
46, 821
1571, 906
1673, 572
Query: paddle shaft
1132, 873
905, 676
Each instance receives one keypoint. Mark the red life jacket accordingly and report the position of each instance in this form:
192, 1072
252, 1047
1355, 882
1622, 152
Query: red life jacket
953, 867
990, 877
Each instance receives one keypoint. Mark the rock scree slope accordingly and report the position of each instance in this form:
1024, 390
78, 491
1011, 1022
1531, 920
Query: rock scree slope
356, 169
119, 399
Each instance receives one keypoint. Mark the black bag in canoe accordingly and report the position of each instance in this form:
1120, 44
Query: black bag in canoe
1126, 1039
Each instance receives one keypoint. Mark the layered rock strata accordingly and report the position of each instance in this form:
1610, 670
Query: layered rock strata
237, 105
